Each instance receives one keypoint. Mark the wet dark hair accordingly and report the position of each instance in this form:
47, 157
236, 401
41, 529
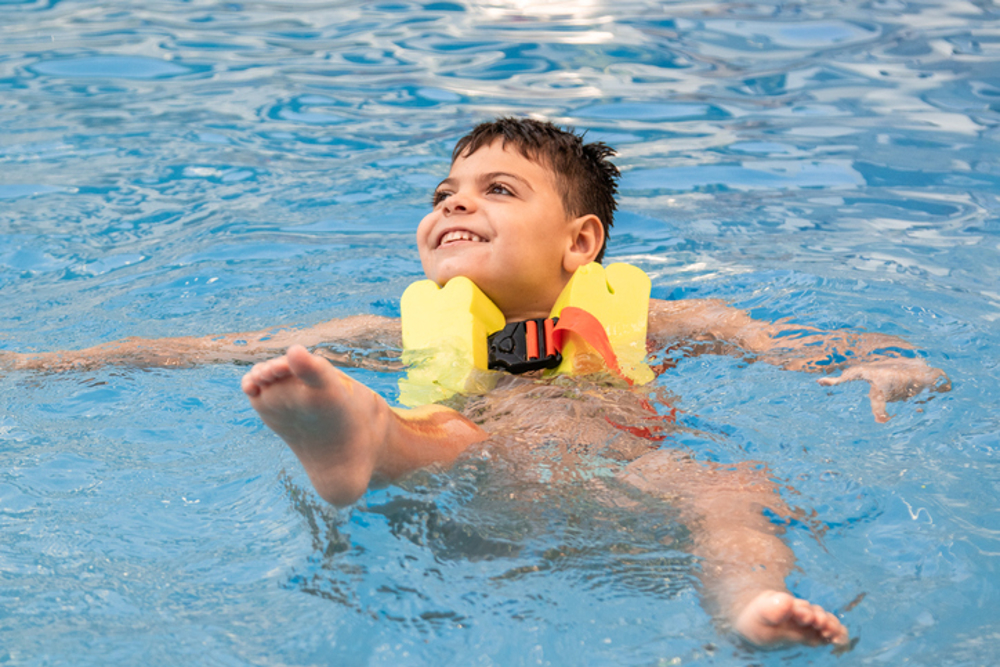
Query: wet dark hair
588, 181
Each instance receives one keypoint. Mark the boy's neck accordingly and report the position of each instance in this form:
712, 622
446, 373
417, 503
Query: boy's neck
530, 309
537, 305
527, 312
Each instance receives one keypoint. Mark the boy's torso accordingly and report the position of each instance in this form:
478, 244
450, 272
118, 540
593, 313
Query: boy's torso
580, 417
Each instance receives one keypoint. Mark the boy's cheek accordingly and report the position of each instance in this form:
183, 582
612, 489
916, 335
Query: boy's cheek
423, 234
429, 269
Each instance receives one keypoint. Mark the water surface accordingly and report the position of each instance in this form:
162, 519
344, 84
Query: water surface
191, 168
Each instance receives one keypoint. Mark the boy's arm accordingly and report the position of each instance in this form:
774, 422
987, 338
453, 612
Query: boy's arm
744, 561
248, 347
885, 362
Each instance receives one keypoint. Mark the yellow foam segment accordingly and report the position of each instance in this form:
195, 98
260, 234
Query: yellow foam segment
444, 340
618, 296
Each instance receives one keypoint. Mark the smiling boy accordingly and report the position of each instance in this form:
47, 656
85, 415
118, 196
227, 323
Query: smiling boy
501, 220
524, 208
513, 216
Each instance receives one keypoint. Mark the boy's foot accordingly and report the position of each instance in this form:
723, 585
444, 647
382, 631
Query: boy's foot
333, 424
774, 618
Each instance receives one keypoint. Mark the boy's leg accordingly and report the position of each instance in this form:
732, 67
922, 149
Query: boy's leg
744, 561
344, 433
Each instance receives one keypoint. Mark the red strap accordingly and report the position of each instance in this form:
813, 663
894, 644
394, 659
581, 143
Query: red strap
531, 339
655, 432
550, 343
578, 321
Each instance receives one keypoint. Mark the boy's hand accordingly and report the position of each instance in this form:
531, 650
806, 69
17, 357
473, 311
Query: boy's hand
132, 352
8, 360
16, 361
892, 380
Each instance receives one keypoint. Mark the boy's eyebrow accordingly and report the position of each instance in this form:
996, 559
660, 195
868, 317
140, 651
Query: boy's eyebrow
493, 175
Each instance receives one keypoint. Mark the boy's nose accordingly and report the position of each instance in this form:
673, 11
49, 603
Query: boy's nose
458, 203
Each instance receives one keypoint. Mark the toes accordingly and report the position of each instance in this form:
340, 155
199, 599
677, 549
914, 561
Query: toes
250, 388
307, 367
298, 362
257, 374
275, 370
263, 375
260, 374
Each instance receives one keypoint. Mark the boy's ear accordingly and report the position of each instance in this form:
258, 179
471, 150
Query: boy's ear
587, 237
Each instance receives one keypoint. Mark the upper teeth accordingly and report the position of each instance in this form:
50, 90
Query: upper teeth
461, 235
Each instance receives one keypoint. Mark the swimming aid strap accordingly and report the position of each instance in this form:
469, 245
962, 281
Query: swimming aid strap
578, 321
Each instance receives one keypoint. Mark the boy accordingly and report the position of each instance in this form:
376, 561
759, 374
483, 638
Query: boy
524, 208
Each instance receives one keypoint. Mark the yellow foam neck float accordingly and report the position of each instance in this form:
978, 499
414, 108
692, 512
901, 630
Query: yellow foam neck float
598, 323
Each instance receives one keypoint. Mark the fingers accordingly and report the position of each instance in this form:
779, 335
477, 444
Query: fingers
892, 380
835, 632
877, 398
826, 626
938, 385
803, 612
848, 375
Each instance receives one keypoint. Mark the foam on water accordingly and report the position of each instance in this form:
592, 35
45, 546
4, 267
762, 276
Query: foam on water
191, 168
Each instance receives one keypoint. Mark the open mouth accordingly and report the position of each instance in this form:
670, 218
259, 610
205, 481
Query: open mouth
459, 235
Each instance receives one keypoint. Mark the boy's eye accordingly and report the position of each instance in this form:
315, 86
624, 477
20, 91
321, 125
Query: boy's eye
498, 189
439, 196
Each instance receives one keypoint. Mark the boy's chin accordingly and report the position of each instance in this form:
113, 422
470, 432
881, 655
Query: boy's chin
448, 277
443, 274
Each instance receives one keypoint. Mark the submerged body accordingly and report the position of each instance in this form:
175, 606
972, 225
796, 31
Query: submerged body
348, 437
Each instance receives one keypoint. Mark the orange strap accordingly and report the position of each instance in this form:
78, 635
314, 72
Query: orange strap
586, 326
577, 321
655, 432
531, 339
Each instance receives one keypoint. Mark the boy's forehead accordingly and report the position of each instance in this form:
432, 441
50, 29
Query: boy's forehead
504, 156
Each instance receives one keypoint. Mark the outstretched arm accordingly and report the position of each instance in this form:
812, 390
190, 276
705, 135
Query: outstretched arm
345, 434
185, 351
744, 561
887, 363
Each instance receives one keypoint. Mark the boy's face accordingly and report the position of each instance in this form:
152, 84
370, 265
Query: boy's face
499, 220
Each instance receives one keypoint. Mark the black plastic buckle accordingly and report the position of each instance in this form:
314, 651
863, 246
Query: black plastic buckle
510, 349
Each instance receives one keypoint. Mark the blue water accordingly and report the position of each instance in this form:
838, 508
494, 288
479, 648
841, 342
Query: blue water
183, 168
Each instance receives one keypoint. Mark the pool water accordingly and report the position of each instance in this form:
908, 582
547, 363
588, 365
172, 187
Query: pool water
188, 168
